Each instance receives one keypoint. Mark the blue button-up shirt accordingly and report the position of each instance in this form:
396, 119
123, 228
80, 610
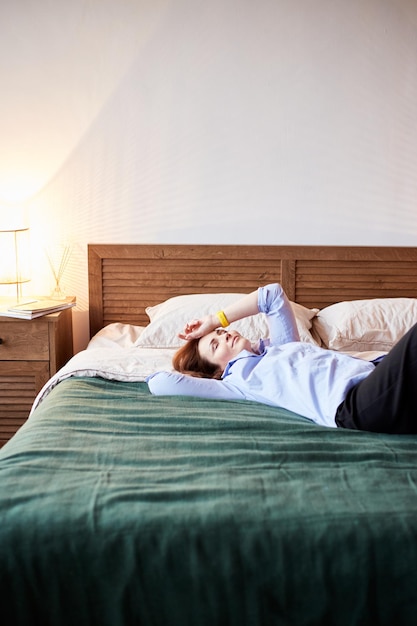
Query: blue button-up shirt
282, 371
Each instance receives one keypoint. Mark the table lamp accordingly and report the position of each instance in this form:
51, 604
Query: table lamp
14, 258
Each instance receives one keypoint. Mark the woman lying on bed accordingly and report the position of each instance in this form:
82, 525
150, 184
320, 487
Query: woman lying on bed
328, 387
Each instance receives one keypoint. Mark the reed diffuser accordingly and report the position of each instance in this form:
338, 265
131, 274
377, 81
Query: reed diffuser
58, 257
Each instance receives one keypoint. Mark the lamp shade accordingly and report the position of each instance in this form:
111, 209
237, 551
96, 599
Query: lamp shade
14, 257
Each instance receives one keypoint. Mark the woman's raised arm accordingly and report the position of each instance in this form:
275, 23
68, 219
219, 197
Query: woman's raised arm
245, 306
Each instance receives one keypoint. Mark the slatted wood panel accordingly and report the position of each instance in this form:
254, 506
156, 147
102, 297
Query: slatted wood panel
19, 384
125, 279
320, 284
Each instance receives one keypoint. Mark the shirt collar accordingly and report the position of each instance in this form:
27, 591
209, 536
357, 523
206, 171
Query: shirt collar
260, 350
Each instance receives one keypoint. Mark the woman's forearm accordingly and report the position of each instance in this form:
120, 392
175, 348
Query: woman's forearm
245, 306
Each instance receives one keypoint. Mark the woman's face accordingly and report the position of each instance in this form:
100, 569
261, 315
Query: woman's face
221, 345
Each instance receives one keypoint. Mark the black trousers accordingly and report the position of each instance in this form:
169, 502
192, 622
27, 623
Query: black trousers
386, 401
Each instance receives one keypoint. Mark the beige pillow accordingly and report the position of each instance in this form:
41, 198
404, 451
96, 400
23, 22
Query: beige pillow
169, 317
361, 325
116, 334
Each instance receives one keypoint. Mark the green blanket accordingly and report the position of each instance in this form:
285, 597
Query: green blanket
121, 508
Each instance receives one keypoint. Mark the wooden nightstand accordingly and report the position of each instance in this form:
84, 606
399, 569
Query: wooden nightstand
31, 351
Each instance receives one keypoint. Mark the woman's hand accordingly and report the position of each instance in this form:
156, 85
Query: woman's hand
199, 327
245, 306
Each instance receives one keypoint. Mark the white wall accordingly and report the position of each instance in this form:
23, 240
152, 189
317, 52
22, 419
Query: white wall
229, 121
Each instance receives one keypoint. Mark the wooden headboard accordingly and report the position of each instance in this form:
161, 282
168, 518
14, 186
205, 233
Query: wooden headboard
125, 279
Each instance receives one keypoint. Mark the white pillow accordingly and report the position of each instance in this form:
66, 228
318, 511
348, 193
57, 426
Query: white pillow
361, 325
169, 317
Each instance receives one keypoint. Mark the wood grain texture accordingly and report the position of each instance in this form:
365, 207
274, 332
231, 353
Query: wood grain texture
126, 278
20, 381
31, 351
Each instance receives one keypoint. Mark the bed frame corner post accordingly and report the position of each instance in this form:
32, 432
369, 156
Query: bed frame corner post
95, 289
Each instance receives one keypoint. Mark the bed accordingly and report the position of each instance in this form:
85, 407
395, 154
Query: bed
119, 507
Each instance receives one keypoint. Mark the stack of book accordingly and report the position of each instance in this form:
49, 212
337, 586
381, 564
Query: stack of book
35, 308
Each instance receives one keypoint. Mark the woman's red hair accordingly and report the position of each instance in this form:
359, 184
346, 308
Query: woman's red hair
187, 360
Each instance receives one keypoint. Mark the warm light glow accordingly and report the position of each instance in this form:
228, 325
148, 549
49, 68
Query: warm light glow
12, 217
18, 187
14, 258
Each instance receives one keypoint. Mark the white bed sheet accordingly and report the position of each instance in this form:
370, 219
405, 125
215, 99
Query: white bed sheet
113, 354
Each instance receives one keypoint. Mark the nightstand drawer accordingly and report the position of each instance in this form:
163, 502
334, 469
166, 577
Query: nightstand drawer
31, 351
24, 341
20, 382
